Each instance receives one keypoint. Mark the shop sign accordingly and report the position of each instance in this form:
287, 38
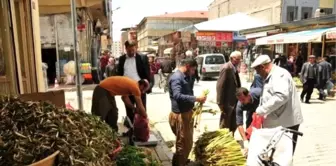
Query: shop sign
224, 36
206, 38
214, 36
207, 43
331, 35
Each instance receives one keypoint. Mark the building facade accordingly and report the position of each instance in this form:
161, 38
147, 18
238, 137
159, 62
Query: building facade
329, 6
117, 48
271, 11
129, 33
150, 28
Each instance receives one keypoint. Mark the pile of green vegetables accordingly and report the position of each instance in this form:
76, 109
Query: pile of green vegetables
297, 81
218, 148
135, 156
31, 131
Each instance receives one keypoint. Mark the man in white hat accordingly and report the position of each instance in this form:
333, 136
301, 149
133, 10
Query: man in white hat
279, 102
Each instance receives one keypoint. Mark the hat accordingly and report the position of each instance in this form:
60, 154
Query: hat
311, 56
261, 60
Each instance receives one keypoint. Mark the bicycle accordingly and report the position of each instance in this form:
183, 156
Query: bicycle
266, 156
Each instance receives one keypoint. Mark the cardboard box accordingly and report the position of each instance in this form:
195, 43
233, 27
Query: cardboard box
55, 97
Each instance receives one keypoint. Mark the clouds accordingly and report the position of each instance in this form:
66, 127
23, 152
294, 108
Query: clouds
131, 12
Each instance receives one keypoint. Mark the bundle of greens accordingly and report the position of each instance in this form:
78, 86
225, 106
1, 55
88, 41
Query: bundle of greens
198, 110
218, 148
31, 131
134, 156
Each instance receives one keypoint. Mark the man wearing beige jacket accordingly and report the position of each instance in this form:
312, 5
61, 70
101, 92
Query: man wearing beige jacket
279, 102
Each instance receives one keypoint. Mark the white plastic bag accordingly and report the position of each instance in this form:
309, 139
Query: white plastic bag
259, 140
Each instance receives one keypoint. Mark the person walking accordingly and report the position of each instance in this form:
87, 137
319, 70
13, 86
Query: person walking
103, 98
279, 102
324, 75
111, 68
309, 75
182, 103
227, 84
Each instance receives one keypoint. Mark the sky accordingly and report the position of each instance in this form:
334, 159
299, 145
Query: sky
131, 12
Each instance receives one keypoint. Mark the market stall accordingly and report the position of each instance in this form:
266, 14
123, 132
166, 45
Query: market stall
43, 134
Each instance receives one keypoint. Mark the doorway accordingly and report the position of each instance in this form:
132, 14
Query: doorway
49, 57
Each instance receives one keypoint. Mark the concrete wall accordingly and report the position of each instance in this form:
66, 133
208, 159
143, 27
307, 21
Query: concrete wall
299, 3
334, 12
272, 11
267, 10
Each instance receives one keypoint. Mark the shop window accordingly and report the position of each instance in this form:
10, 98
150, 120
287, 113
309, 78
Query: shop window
306, 12
292, 12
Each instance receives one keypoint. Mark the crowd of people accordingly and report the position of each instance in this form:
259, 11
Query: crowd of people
272, 95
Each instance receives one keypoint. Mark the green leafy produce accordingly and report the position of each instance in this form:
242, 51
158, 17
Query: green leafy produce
218, 148
31, 131
198, 110
297, 81
134, 156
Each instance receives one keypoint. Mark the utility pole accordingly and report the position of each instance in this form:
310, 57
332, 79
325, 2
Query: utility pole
76, 56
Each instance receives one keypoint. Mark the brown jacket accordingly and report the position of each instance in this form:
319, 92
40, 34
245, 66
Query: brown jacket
227, 84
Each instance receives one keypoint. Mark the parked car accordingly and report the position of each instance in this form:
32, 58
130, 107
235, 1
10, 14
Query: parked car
209, 65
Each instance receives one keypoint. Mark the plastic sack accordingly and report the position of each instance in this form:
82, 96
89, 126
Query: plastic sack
256, 123
141, 128
260, 138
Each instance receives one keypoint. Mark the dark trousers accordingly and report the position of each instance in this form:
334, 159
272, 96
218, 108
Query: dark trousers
228, 120
321, 88
296, 128
152, 81
105, 107
308, 88
129, 111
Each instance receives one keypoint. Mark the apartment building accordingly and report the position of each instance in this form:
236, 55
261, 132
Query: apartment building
152, 27
117, 47
271, 11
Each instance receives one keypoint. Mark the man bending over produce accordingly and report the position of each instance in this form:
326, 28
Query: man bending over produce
247, 101
182, 102
103, 101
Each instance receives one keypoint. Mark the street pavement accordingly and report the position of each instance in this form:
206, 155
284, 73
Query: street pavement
317, 146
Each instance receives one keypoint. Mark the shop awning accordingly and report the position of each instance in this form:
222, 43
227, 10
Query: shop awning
167, 50
313, 36
234, 22
331, 33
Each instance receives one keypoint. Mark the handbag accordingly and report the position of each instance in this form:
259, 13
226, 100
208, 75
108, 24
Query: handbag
257, 122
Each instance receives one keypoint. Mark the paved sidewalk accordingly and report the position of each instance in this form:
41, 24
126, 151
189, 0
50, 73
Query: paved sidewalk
316, 148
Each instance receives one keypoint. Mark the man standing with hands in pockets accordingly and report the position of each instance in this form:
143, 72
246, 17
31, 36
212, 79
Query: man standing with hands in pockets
182, 103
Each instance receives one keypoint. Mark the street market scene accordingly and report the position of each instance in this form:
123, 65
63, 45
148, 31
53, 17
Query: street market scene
160, 83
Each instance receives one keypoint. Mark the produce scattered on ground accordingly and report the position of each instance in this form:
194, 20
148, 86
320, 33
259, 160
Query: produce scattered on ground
218, 148
198, 110
135, 156
31, 131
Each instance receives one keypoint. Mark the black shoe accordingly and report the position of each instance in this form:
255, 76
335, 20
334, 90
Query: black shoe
307, 102
301, 100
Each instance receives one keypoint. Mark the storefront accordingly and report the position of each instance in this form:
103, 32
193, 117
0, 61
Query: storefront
214, 42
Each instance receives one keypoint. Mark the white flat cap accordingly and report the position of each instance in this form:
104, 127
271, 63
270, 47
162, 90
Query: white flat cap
261, 60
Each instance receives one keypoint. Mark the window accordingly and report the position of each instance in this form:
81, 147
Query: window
292, 12
306, 12
328, 10
214, 59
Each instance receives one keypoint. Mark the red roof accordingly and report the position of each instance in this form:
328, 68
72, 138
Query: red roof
186, 14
